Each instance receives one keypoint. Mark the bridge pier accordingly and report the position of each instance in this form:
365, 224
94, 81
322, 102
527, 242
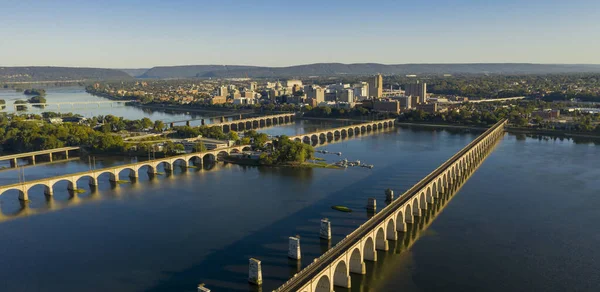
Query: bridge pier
48, 191
50, 156
255, 272
93, 181
342, 280
13, 163
133, 173
389, 195
372, 205
401, 226
23, 196
325, 232
294, 248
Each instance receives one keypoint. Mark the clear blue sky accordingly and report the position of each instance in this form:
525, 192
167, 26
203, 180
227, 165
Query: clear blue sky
140, 34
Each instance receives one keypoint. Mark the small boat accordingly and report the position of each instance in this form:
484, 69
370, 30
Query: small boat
339, 153
341, 208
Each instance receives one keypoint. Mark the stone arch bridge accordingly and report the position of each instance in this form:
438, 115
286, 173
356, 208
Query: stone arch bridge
133, 170
333, 268
344, 131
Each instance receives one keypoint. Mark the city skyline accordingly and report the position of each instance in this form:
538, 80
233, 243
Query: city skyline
136, 34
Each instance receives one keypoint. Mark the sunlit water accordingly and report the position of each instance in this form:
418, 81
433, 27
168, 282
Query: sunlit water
525, 221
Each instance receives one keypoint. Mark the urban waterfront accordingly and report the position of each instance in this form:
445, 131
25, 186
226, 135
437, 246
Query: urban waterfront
176, 231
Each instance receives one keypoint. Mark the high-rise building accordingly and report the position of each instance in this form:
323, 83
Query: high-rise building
361, 90
222, 91
376, 86
418, 90
347, 95
316, 93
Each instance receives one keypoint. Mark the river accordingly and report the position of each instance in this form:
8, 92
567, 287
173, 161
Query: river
524, 221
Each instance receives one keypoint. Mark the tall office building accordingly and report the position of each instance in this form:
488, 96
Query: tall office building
347, 95
418, 91
222, 91
376, 86
253, 86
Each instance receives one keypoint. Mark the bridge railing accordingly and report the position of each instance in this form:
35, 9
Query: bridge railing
335, 252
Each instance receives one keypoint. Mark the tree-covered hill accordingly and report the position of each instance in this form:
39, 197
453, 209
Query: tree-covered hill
32, 74
331, 69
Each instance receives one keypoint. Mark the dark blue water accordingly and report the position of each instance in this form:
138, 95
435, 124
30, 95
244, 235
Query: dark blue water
507, 229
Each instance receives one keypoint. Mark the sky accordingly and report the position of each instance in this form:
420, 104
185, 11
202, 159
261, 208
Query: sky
144, 34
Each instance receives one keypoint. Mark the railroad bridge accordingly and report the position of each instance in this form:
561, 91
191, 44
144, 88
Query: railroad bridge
334, 267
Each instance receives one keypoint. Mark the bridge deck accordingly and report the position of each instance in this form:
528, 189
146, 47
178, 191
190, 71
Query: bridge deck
34, 153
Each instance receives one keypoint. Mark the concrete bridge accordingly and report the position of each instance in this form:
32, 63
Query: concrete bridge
112, 173
344, 131
75, 104
334, 267
31, 155
247, 123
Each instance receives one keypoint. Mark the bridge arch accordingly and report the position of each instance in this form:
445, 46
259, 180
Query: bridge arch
390, 229
380, 241
324, 284
369, 249
71, 185
341, 274
357, 264
422, 201
400, 222
429, 194
48, 189
314, 138
416, 210
322, 136
408, 214
336, 133
92, 181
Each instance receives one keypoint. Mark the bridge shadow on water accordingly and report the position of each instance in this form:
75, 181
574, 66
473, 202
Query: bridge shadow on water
226, 269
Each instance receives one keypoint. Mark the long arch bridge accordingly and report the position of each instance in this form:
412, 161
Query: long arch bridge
334, 267
132, 169
152, 166
344, 131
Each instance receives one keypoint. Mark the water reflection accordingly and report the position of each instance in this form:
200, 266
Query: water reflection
390, 262
40, 203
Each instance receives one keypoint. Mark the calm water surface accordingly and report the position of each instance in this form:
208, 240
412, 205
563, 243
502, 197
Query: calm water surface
524, 221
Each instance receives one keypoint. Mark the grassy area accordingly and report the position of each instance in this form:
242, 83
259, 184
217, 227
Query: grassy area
319, 164
319, 159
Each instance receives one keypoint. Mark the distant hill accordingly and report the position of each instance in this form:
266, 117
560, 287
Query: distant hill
32, 74
134, 72
328, 69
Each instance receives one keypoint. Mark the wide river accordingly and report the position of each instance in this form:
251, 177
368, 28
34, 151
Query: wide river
526, 220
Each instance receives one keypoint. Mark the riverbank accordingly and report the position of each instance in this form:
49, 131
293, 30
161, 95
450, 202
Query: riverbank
517, 130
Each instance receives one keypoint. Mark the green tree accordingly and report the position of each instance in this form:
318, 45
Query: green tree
159, 126
199, 147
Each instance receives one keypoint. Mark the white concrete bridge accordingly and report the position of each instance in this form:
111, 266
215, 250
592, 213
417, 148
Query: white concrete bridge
112, 173
31, 155
334, 267
344, 131
247, 123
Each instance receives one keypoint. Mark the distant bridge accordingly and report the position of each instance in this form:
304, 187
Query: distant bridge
72, 105
333, 268
248, 123
31, 155
152, 166
344, 131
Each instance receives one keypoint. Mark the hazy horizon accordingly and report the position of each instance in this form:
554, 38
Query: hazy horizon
146, 34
